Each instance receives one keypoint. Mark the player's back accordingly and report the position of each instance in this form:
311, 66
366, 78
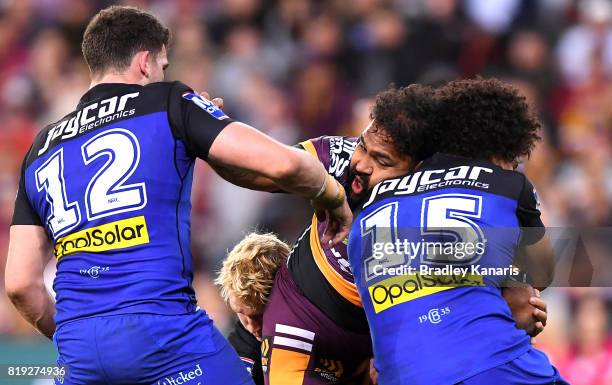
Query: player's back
111, 184
442, 326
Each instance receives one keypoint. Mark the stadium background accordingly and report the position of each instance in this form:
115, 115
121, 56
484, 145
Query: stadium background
300, 69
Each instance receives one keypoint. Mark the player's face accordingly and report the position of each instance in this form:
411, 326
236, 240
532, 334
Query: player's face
250, 319
374, 160
157, 65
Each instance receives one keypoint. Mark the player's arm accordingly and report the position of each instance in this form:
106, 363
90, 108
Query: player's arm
239, 177
536, 255
539, 261
247, 179
254, 154
535, 259
210, 135
244, 178
294, 171
28, 253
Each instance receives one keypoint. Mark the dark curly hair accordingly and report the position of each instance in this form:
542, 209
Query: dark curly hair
404, 116
116, 33
483, 119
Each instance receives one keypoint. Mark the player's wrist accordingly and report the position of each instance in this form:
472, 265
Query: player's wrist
322, 189
331, 195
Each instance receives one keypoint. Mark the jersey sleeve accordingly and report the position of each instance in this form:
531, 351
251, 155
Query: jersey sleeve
195, 120
249, 351
317, 147
24, 213
529, 215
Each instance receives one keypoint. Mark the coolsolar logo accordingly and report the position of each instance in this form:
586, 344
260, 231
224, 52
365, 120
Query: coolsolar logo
206, 105
109, 236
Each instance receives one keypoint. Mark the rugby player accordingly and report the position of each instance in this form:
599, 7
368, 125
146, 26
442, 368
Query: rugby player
107, 190
454, 327
314, 311
245, 281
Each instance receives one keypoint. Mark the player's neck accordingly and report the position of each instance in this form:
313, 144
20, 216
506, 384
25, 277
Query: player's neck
127, 77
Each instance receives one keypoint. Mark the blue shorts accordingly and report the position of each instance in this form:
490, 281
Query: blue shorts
530, 368
147, 349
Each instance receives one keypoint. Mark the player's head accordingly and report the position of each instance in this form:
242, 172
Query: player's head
247, 276
483, 119
126, 40
387, 146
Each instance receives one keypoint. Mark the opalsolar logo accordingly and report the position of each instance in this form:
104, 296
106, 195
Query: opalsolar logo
109, 236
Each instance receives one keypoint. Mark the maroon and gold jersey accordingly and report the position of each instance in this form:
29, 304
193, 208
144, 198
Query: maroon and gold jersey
315, 297
323, 273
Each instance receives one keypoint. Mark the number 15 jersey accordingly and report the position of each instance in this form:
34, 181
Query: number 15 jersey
111, 184
429, 253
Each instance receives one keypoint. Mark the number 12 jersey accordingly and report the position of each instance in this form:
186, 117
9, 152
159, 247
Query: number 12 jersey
111, 185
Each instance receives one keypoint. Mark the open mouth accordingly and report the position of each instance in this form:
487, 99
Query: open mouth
357, 185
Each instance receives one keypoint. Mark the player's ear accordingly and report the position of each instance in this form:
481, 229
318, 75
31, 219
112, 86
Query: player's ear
142, 59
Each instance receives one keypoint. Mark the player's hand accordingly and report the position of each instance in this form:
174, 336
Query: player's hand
330, 205
540, 313
528, 309
216, 101
339, 222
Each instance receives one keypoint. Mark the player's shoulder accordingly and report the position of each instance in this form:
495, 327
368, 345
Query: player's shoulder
335, 142
41, 141
482, 174
101, 105
168, 86
442, 173
170, 91
334, 152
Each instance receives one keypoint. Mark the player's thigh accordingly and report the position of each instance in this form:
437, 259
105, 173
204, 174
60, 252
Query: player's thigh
77, 354
157, 349
222, 367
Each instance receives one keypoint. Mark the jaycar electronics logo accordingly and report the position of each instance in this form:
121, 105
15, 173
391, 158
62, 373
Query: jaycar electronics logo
109, 236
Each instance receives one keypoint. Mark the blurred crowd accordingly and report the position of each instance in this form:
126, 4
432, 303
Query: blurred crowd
298, 69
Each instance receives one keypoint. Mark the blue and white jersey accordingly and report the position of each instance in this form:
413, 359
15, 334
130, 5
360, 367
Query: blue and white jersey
111, 184
429, 252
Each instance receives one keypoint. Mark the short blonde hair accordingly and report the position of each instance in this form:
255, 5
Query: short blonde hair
249, 269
